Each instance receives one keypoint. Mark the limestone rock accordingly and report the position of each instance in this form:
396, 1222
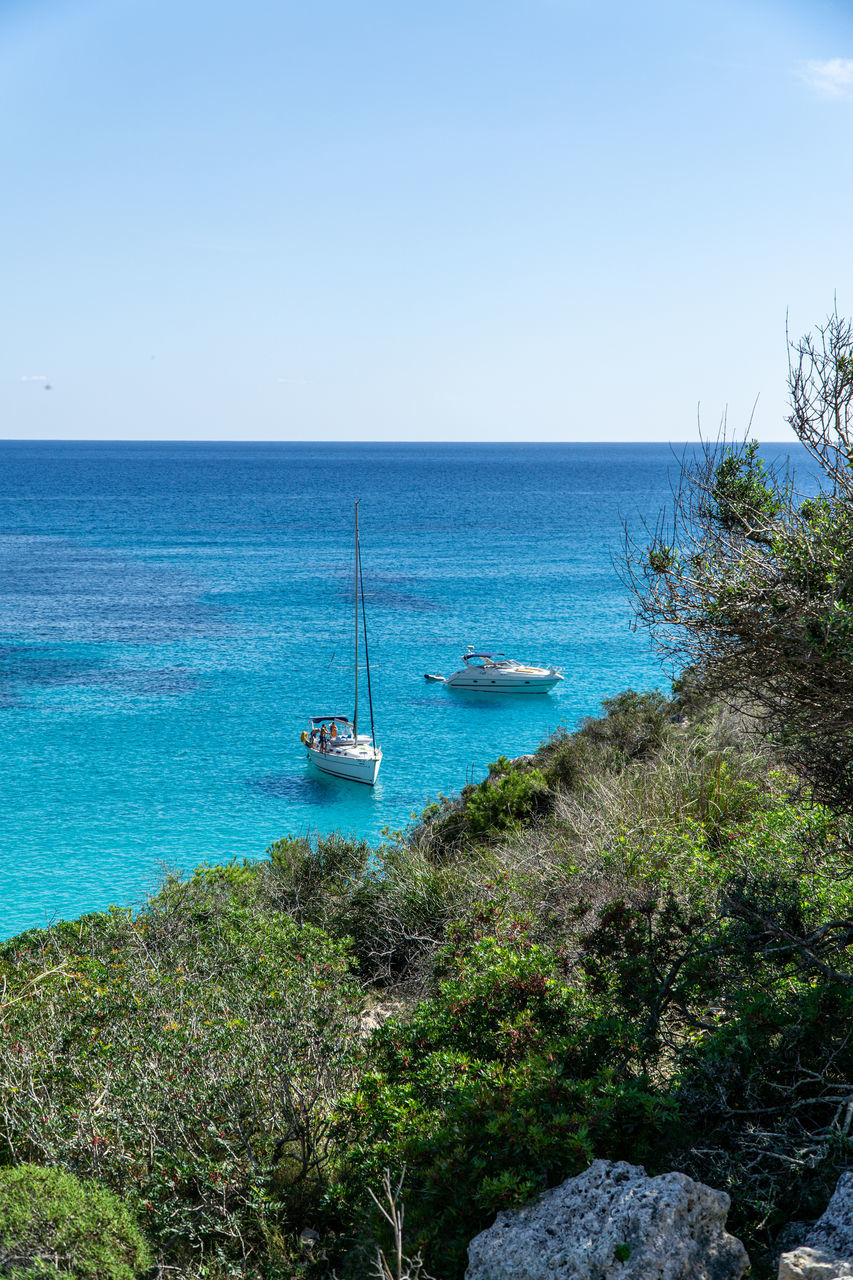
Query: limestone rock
834, 1231
813, 1264
613, 1223
827, 1252
792, 1236
517, 762
373, 1018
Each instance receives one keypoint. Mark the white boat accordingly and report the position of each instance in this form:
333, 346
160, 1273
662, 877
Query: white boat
495, 673
343, 752
333, 743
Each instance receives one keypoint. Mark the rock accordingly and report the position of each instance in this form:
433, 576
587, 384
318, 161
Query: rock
613, 1223
373, 1018
813, 1264
834, 1231
792, 1236
517, 762
827, 1251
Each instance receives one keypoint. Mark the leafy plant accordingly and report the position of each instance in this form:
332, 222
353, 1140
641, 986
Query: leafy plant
54, 1225
503, 799
191, 1056
504, 1083
750, 582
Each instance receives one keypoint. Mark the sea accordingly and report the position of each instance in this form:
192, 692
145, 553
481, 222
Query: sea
171, 615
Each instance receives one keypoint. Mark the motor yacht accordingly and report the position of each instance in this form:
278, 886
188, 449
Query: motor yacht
496, 673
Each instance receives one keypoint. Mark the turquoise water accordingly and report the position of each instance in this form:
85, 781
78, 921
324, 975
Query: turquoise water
171, 614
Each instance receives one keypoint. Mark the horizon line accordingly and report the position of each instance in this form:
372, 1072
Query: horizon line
343, 440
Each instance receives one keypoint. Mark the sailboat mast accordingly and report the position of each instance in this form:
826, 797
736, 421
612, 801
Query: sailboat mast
355, 712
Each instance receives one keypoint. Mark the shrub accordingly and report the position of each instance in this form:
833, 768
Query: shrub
764, 1085
315, 879
190, 1057
53, 1225
634, 726
499, 803
567, 760
504, 1083
483, 811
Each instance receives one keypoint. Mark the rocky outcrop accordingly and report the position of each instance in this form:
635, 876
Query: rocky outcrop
813, 1264
834, 1231
827, 1251
613, 1223
373, 1018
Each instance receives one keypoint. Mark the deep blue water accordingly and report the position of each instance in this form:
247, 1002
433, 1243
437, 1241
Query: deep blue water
170, 614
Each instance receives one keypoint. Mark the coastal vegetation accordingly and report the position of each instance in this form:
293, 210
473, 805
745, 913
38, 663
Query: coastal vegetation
52, 1224
750, 582
633, 944
638, 949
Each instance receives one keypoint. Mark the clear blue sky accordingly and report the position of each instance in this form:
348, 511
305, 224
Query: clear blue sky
467, 219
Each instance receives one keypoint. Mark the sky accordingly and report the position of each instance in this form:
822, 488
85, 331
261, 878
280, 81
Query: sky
539, 220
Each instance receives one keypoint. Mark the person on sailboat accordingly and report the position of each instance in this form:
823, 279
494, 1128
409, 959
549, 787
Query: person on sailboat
323, 738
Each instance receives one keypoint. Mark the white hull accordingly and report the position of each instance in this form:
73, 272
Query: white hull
486, 681
357, 764
495, 673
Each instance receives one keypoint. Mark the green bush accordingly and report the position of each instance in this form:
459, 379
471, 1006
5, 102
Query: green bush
764, 1080
567, 761
508, 1081
504, 799
314, 876
634, 726
190, 1056
54, 1225
483, 812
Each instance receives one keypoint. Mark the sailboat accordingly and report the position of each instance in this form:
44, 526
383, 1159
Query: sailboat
333, 743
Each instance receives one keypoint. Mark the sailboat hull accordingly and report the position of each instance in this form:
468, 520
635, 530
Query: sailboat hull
356, 764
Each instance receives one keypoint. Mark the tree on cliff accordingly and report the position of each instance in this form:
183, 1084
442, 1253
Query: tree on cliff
751, 582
